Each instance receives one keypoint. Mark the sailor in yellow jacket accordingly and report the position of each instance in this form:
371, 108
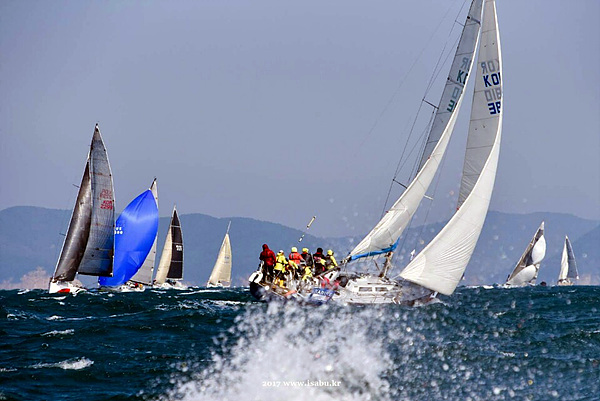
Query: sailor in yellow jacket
280, 266
330, 261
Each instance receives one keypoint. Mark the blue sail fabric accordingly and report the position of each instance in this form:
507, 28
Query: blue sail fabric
135, 231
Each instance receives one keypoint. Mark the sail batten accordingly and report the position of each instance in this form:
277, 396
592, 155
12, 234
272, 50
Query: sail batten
441, 264
389, 229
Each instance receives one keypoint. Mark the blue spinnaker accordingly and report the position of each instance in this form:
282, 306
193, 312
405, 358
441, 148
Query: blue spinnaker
135, 231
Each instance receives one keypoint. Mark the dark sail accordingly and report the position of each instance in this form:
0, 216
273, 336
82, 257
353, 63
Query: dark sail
176, 267
77, 235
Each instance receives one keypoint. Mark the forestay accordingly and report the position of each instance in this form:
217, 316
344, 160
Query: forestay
384, 236
441, 264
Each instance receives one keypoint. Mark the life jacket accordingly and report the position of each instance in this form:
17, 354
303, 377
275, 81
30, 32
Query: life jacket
280, 262
307, 273
295, 258
319, 259
330, 262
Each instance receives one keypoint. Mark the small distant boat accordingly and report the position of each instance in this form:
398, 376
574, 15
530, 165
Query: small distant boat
135, 233
528, 267
89, 244
568, 267
143, 277
169, 273
221, 273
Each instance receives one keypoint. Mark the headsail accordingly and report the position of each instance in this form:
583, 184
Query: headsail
441, 264
144, 274
384, 237
88, 246
568, 266
171, 259
135, 233
221, 273
526, 270
98, 256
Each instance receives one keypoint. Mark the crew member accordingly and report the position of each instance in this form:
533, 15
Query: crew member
280, 266
267, 257
330, 261
319, 261
295, 260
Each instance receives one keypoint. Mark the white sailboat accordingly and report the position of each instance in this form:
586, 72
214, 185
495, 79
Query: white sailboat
568, 267
143, 277
441, 264
221, 273
169, 273
89, 244
528, 267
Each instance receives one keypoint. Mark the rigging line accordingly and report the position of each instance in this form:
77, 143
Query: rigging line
434, 76
403, 80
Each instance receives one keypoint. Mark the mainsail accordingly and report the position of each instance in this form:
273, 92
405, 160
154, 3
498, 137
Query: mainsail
526, 270
88, 246
568, 266
441, 264
384, 236
171, 260
135, 233
144, 274
221, 273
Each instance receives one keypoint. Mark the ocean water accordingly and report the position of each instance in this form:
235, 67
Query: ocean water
203, 344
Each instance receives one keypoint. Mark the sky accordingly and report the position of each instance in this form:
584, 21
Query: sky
284, 110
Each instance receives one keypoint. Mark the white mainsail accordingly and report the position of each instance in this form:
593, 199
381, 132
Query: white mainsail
221, 273
144, 274
441, 264
568, 266
528, 267
384, 236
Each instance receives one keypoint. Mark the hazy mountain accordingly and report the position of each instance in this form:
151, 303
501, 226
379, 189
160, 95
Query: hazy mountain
30, 238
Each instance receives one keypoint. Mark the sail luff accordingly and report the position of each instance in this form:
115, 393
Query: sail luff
384, 236
221, 272
441, 264
98, 257
144, 274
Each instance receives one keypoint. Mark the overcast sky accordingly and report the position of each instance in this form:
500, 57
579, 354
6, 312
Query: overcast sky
282, 110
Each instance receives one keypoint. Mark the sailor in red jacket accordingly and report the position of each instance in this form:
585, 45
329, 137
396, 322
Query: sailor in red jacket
267, 256
295, 260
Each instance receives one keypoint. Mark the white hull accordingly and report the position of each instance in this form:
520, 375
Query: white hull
64, 287
171, 286
524, 277
565, 282
218, 285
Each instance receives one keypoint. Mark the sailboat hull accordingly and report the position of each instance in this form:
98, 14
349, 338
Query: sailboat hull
64, 287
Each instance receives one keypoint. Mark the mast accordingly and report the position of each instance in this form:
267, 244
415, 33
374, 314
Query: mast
384, 237
442, 263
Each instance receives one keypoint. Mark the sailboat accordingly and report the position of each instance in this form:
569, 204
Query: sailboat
170, 267
89, 242
143, 277
438, 268
221, 273
135, 234
528, 267
568, 267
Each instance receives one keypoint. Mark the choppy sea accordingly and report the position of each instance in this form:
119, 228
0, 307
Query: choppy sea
203, 344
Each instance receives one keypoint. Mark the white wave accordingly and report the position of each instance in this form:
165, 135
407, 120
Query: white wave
69, 364
295, 353
58, 332
54, 317
2, 370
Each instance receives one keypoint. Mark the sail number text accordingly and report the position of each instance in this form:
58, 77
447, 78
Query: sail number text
490, 71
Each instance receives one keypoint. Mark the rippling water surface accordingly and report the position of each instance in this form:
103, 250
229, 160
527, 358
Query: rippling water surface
203, 344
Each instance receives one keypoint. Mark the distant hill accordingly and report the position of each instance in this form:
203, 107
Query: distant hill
30, 238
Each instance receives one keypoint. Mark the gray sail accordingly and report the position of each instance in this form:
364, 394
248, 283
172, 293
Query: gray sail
144, 274
98, 256
78, 232
573, 273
